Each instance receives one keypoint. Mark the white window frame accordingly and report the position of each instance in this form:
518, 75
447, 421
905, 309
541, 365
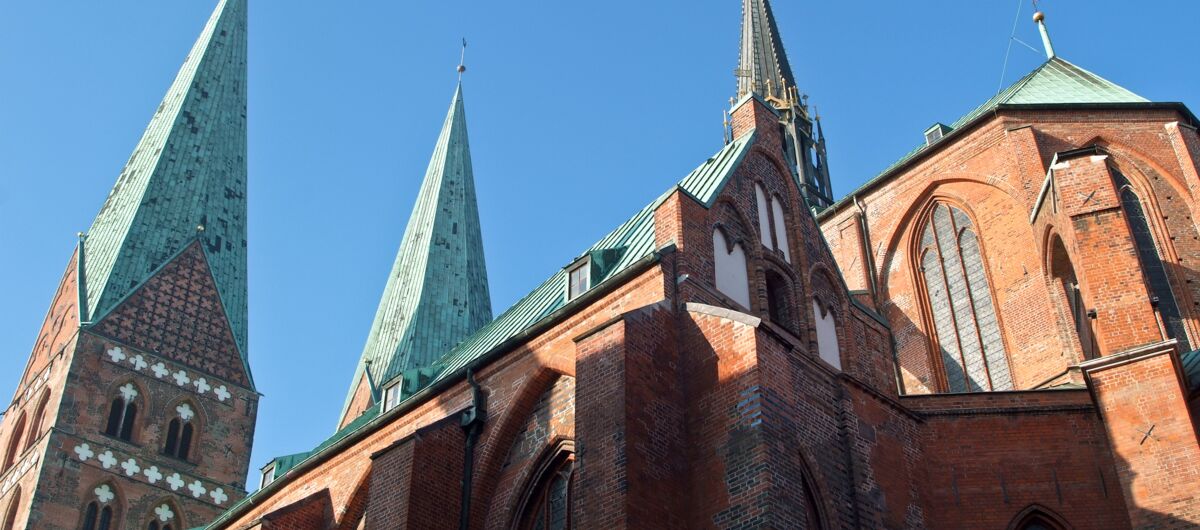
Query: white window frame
586, 265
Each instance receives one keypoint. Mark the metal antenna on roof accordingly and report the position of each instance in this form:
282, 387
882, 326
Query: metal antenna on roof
462, 60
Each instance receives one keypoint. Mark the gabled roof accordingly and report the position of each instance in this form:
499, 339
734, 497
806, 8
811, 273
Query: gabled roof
634, 238
188, 170
437, 292
1055, 82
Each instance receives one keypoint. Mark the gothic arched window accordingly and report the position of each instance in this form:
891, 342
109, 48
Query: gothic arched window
122, 413
101, 513
10, 515
39, 414
779, 303
1151, 261
1063, 273
967, 331
14, 444
548, 503
180, 432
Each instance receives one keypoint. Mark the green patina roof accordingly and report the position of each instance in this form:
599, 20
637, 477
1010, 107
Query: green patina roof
1055, 82
437, 292
189, 169
635, 240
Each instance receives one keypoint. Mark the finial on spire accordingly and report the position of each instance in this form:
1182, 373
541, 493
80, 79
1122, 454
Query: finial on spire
462, 61
1040, 18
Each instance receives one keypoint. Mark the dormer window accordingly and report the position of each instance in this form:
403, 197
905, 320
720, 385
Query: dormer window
268, 475
391, 396
935, 132
579, 278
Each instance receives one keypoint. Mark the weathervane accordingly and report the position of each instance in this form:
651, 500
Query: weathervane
462, 61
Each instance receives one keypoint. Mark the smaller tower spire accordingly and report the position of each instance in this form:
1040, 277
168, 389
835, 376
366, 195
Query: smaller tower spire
1040, 18
462, 61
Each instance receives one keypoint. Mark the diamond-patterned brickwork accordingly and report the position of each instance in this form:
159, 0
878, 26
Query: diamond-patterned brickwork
188, 170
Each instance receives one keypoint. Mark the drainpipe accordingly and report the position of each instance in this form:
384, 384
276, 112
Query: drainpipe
472, 422
867, 252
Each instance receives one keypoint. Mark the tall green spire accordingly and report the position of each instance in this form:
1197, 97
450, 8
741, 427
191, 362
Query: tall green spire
437, 293
186, 179
763, 66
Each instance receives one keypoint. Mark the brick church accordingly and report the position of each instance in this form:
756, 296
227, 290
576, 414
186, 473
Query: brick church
998, 331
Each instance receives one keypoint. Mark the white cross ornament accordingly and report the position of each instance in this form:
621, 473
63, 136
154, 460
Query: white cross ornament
152, 474
128, 392
175, 482
107, 459
131, 467
218, 496
164, 513
104, 493
138, 362
160, 370
222, 393
185, 411
202, 385
197, 489
181, 378
84, 451
116, 354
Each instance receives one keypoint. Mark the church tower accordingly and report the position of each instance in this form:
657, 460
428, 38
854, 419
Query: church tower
137, 407
437, 293
764, 72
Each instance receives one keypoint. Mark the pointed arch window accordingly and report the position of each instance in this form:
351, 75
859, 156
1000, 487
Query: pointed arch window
779, 302
1151, 260
100, 513
164, 518
14, 444
181, 432
548, 503
122, 413
966, 328
10, 514
39, 415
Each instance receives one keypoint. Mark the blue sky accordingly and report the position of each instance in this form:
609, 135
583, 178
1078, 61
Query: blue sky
579, 115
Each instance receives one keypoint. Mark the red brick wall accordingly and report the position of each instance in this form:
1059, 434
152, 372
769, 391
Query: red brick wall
1153, 440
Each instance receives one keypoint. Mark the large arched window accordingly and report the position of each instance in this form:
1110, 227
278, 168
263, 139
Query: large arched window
547, 504
1151, 261
122, 413
967, 332
164, 517
39, 414
180, 432
10, 515
14, 444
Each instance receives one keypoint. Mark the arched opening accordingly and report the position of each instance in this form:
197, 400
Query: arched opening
548, 500
122, 413
1067, 283
181, 432
958, 293
779, 301
1037, 518
827, 334
101, 513
1153, 270
39, 414
781, 240
14, 443
10, 515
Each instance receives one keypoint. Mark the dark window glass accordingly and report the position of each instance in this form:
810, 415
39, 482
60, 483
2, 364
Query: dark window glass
121, 416
172, 444
778, 301
127, 422
1152, 266
966, 328
549, 506
106, 518
185, 442
579, 281
90, 516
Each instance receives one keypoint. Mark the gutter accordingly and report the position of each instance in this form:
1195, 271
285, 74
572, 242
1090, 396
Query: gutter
431, 391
